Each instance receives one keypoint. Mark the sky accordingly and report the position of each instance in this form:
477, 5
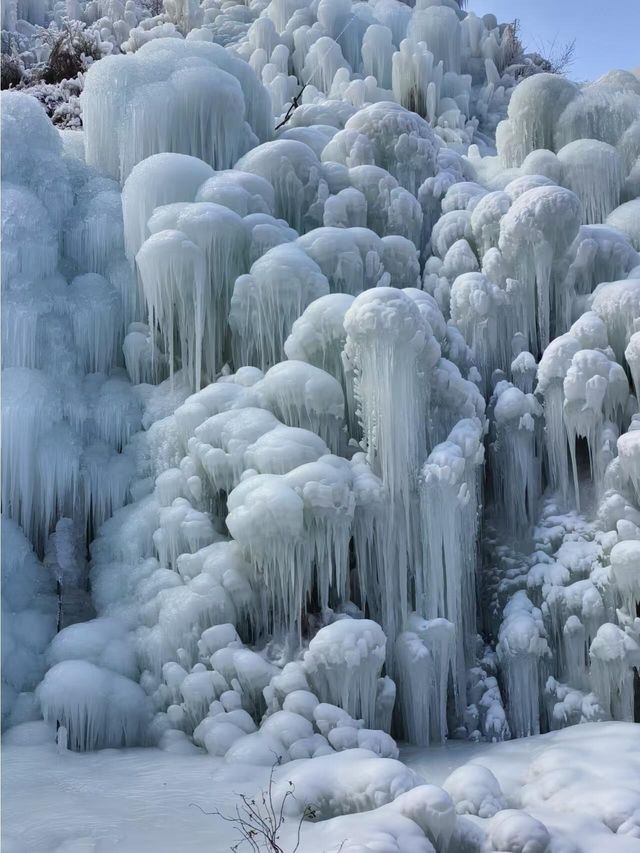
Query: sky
607, 32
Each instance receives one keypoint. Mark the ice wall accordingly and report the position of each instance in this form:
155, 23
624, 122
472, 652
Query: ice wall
338, 384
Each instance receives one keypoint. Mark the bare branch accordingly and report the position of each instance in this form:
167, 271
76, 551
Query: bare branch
293, 106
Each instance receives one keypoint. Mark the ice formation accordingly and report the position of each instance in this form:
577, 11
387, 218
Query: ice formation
321, 372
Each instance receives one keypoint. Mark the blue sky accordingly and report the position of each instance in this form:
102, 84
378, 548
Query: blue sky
607, 32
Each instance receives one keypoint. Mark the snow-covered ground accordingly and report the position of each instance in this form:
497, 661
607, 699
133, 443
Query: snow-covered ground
583, 783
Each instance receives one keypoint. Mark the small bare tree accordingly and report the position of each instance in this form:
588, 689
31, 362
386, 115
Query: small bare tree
553, 57
259, 821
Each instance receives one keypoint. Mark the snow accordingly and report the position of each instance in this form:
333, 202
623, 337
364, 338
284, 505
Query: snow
139, 799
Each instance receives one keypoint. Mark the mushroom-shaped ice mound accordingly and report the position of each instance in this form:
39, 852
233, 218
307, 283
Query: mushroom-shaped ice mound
534, 110
625, 564
626, 218
543, 162
266, 517
613, 654
595, 391
220, 234
552, 370
173, 274
296, 175
400, 142
514, 455
241, 192
295, 528
99, 708
464, 195
161, 179
618, 304
475, 309
304, 396
283, 449
485, 219
514, 831
632, 355
522, 645
219, 444
459, 259
344, 661
38, 166
594, 171
347, 256
103, 641
603, 110
266, 232
449, 229
400, 258
390, 208
537, 230
152, 96
212, 400
523, 371
596, 384
475, 790
23, 216
318, 335
267, 301
385, 338
629, 456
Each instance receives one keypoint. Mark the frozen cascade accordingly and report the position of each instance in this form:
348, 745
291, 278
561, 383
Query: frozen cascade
256, 383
